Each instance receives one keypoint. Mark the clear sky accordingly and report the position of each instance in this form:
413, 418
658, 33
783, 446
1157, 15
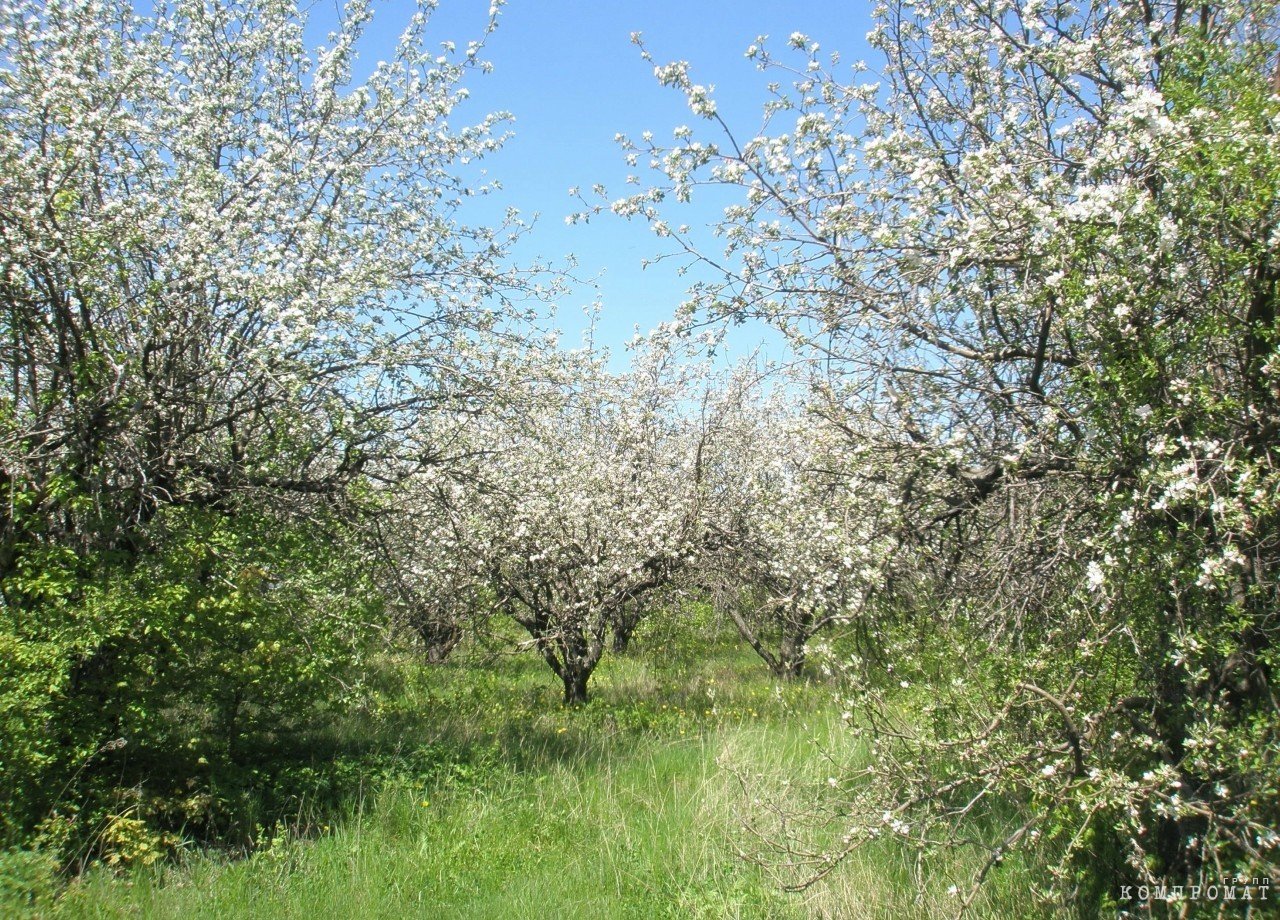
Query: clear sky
572, 79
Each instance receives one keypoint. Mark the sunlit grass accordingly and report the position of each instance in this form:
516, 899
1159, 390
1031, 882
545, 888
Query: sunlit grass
491, 800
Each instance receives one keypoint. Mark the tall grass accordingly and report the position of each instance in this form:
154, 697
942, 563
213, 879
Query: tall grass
484, 798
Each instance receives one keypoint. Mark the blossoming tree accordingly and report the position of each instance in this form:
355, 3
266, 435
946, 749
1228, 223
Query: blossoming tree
802, 542
586, 505
227, 264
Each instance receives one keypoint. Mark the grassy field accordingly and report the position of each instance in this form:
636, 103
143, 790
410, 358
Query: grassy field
480, 796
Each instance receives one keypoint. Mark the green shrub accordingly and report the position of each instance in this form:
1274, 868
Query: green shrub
147, 694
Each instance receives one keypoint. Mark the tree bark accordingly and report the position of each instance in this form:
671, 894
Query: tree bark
575, 686
624, 627
439, 638
791, 656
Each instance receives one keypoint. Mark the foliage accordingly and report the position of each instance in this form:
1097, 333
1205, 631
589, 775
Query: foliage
141, 691
228, 266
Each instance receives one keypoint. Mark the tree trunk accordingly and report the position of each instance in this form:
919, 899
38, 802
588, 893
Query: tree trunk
439, 638
572, 654
438, 652
748, 633
624, 627
575, 686
791, 655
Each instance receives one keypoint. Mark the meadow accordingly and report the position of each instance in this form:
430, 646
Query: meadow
467, 790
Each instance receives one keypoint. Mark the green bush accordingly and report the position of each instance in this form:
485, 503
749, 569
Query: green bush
147, 693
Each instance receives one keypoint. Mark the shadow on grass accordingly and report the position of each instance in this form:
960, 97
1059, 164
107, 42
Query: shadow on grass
477, 720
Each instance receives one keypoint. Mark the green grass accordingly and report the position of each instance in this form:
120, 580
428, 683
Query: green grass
485, 798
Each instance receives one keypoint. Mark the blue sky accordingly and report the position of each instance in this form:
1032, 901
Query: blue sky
568, 72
